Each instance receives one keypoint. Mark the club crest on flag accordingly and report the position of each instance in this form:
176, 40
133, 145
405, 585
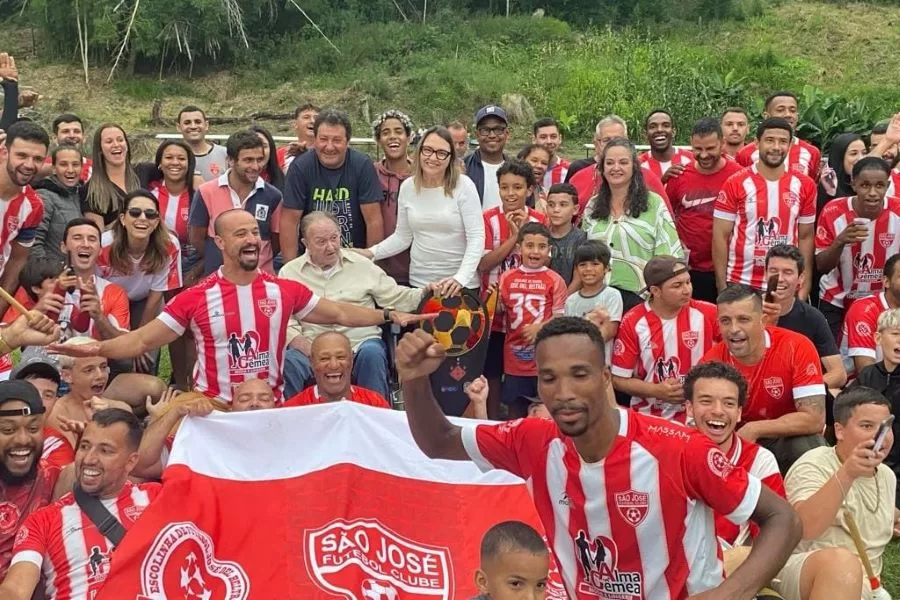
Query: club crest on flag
633, 506
181, 563
364, 560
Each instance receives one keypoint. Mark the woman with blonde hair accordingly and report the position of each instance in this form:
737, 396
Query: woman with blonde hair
113, 176
438, 219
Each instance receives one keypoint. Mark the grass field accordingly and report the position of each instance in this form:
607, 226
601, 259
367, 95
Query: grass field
891, 575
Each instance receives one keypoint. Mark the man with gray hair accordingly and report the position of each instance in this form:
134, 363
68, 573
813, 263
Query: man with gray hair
587, 180
341, 274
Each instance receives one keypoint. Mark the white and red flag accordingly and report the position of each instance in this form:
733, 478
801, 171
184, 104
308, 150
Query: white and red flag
327, 501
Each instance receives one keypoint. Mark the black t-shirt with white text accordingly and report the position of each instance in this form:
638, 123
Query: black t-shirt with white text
310, 186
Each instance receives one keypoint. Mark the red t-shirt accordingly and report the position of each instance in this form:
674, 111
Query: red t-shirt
764, 213
653, 350
760, 463
681, 157
496, 231
18, 503
637, 520
790, 370
693, 196
859, 270
19, 219
69, 549
802, 158
361, 395
528, 296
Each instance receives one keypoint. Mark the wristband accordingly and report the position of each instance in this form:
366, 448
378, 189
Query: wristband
387, 315
840, 486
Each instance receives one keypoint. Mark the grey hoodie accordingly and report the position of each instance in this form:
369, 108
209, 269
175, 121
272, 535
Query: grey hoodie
61, 205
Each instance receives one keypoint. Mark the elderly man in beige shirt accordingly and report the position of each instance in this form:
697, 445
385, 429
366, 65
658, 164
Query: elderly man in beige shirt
341, 274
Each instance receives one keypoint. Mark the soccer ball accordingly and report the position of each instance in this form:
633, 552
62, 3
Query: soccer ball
459, 325
375, 590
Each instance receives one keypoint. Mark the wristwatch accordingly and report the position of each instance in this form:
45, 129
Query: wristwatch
387, 315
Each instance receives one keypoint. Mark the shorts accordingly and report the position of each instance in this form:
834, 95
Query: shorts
493, 363
787, 582
516, 386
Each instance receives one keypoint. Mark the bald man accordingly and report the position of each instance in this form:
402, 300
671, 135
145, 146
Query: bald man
239, 317
332, 363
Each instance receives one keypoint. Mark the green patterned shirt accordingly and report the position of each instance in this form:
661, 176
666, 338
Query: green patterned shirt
633, 241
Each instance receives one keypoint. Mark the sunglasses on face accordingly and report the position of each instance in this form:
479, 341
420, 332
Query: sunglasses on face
150, 213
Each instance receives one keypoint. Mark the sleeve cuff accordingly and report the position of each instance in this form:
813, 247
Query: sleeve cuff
727, 216
470, 443
310, 306
170, 322
742, 513
28, 556
805, 391
620, 372
859, 351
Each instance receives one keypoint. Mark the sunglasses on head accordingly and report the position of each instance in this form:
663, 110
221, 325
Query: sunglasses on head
150, 213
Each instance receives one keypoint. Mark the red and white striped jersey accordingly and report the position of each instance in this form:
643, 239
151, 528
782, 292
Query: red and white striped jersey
654, 350
496, 231
528, 296
859, 270
802, 158
760, 463
69, 549
682, 157
894, 183
18, 503
19, 218
174, 211
556, 173
789, 370
765, 213
858, 330
637, 524
138, 284
240, 330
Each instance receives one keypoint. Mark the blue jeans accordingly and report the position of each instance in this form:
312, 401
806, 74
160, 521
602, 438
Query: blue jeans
370, 369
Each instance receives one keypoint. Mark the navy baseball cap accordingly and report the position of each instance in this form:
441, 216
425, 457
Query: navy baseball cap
491, 110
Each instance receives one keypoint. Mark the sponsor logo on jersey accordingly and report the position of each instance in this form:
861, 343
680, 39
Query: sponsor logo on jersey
864, 265
181, 563
244, 355
602, 578
359, 556
768, 232
666, 368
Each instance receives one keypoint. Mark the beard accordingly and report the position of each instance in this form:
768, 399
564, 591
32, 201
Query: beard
11, 479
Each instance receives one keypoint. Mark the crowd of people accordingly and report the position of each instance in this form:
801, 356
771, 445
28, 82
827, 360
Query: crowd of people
705, 337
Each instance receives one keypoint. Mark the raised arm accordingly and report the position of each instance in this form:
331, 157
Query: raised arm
151, 336
418, 356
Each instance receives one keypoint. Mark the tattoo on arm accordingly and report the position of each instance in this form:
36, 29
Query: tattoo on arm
813, 404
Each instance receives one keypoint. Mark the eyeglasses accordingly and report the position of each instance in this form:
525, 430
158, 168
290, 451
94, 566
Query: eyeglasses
488, 131
150, 213
428, 152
